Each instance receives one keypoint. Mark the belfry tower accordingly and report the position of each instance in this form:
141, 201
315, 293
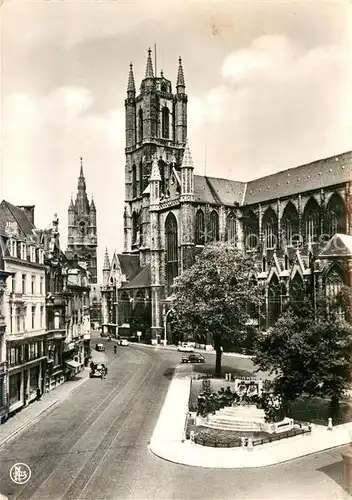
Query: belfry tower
156, 128
82, 228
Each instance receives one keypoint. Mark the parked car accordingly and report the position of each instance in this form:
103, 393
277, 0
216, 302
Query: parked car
99, 347
185, 347
193, 358
97, 370
124, 342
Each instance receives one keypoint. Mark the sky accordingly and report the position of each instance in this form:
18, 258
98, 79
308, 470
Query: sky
269, 86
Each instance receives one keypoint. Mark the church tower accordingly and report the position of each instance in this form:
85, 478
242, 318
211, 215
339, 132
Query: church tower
82, 228
156, 128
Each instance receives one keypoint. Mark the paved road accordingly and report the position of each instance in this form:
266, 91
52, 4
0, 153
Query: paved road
94, 445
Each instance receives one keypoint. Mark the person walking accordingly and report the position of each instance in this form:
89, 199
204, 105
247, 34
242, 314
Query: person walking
115, 349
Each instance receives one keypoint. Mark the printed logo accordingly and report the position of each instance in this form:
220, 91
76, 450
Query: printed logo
20, 473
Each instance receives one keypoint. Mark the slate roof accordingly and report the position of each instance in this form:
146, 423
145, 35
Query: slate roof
141, 280
218, 191
25, 226
311, 176
129, 264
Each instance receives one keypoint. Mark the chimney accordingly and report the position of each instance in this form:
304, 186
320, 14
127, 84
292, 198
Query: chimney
29, 211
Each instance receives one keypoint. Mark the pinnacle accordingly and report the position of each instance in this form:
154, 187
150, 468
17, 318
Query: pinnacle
180, 75
149, 73
131, 86
187, 157
106, 259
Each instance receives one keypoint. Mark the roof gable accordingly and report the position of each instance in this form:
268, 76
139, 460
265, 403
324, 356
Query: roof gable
11, 213
340, 245
216, 191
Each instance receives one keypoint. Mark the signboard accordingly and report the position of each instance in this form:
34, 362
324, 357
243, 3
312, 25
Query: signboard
139, 334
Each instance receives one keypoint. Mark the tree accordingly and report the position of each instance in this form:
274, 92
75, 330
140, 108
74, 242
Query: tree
217, 296
308, 351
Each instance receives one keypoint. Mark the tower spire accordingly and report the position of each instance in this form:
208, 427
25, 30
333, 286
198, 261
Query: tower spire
149, 68
131, 88
180, 75
106, 260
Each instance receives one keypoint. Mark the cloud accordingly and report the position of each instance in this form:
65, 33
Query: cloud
277, 106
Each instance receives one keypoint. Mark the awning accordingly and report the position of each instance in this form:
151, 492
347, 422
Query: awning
72, 364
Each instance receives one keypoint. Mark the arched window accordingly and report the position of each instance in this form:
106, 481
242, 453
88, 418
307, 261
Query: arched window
134, 181
231, 228
171, 253
136, 228
163, 87
334, 282
297, 291
274, 301
162, 175
200, 228
82, 228
311, 221
290, 226
140, 125
125, 308
165, 122
251, 230
141, 183
270, 228
213, 233
335, 221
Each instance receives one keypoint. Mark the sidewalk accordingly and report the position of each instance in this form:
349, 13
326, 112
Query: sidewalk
167, 440
201, 351
38, 409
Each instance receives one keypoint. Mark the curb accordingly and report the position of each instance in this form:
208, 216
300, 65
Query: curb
202, 351
41, 414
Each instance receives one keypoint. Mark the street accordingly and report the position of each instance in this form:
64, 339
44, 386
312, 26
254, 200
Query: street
94, 445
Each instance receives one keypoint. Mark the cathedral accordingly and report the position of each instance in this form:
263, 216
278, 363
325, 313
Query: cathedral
297, 222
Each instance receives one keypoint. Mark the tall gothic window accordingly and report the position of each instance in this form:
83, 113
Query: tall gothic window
333, 285
82, 228
274, 301
171, 250
136, 228
200, 228
134, 181
165, 122
335, 221
270, 228
251, 230
141, 184
290, 226
125, 308
213, 232
231, 228
140, 125
311, 220
297, 292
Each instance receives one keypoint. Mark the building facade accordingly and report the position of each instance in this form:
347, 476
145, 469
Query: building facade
24, 305
291, 220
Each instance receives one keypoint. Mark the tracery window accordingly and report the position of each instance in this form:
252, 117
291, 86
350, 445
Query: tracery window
270, 228
311, 219
251, 230
231, 228
335, 221
136, 228
290, 226
125, 308
297, 291
171, 253
134, 181
334, 282
213, 232
200, 228
140, 125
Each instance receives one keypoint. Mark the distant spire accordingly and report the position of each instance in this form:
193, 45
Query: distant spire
81, 170
149, 68
72, 206
180, 75
131, 86
155, 175
187, 158
106, 259
92, 205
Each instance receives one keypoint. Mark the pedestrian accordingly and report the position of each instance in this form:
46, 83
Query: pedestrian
115, 349
39, 395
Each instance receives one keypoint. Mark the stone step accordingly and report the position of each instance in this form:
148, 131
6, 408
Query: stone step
239, 414
215, 418
233, 427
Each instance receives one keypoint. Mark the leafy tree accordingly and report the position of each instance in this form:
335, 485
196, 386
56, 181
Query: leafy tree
308, 351
217, 296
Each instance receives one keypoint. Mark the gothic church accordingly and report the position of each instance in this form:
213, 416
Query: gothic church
298, 222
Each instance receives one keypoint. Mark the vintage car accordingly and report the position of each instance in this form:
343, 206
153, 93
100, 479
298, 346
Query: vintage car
185, 347
97, 370
99, 347
124, 342
193, 358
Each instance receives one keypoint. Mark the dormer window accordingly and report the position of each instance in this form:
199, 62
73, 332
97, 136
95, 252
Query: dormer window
23, 251
32, 253
13, 248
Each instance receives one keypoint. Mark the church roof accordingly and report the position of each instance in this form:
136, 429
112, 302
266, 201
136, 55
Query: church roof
311, 176
8, 212
218, 191
129, 264
141, 280
340, 245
